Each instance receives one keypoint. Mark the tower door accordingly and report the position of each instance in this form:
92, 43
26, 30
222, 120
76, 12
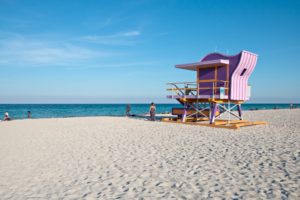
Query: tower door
212, 81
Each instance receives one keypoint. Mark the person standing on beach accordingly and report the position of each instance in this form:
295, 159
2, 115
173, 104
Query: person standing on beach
128, 109
152, 111
291, 106
28, 114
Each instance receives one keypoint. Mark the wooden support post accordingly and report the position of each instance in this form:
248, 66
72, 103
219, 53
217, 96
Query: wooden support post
239, 108
213, 110
183, 118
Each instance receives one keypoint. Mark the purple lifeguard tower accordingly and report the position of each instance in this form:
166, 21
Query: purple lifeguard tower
221, 87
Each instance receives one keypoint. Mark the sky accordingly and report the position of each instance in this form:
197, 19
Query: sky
125, 51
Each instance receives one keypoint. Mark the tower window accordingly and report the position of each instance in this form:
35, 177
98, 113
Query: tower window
243, 72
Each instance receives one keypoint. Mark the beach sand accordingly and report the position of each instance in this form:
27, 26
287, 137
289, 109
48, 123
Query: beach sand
125, 158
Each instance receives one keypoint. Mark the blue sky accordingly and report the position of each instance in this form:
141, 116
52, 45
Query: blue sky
125, 51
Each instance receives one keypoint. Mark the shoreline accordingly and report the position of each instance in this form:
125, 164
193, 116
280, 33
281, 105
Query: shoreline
159, 115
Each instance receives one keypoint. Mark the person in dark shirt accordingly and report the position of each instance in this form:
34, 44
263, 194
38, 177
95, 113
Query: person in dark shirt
152, 111
28, 114
128, 109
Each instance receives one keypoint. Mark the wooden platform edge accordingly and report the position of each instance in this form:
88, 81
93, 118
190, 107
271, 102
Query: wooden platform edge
219, 124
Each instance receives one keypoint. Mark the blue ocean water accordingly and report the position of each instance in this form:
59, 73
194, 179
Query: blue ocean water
19, 111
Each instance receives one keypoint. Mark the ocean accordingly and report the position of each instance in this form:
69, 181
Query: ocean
19, 111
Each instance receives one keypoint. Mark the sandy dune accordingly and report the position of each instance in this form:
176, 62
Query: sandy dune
122, 158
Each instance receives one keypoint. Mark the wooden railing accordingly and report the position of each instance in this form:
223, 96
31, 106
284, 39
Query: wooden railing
183, 88
194, 88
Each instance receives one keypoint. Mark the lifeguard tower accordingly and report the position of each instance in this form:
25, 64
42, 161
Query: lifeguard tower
221, 87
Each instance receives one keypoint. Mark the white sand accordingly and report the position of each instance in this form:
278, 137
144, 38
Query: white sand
109, 158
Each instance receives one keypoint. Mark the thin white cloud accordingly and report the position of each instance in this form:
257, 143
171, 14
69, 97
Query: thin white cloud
124, 38
17, 50
24, 51
131, 33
